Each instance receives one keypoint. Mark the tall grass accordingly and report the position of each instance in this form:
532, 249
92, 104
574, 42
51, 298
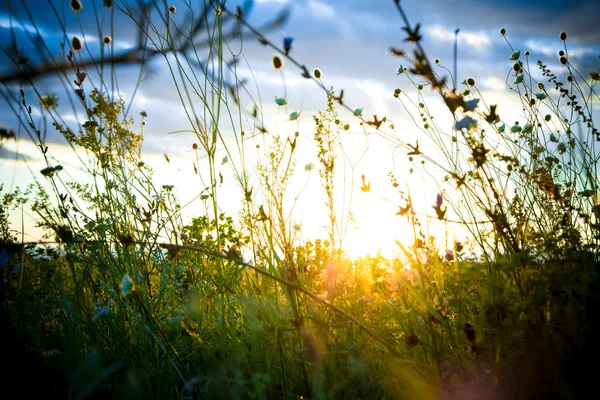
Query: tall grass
126, 298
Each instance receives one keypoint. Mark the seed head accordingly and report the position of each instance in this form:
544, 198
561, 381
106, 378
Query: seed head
470, 81
502, 31
107, 39
563, 36
563, 60
76, 44
76, 6
317, 73
172, 9
277, 62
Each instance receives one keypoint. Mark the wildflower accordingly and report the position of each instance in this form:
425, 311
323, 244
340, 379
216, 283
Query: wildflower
358, 111
561, 148
519, 79
527, 128
224, 160
168, 188
204, 196
563, 36
309, 167
81, 75
467, 123
502, 31
436, 60
501, 128
126, 285
172, 9
366, 186
48, 172
515, 128
540, 96
49, 101
527, 53
107, 39
470, 105
400, 70
439, 211
594, 75
294, 115
79, 93
515, 55
439, 199
76, 44
76, 6
287, 44
553, 138
563, 60
101, 312
277, 62
317, 73
449, 255
281, 101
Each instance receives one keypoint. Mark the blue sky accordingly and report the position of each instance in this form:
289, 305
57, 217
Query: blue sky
348, 40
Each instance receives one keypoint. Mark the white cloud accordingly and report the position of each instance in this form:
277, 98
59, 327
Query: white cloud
477, 40
321, 10
546, 49
376, 93
6, 23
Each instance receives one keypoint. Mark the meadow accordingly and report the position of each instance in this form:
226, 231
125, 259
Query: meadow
126, 298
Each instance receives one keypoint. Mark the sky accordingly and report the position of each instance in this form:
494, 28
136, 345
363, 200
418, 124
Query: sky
349, 41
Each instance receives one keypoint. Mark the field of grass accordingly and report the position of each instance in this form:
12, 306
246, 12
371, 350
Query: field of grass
125, 298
